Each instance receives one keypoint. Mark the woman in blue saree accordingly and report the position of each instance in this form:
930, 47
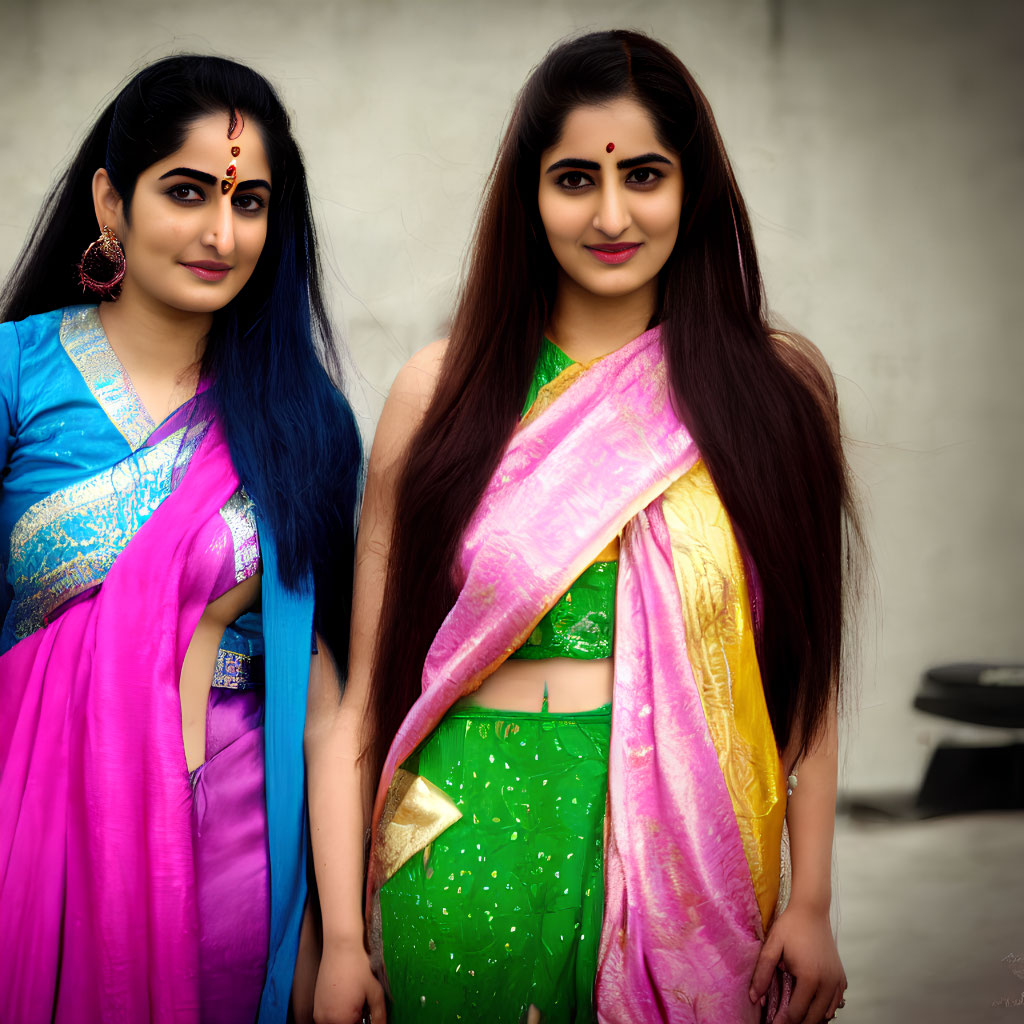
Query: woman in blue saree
171, 530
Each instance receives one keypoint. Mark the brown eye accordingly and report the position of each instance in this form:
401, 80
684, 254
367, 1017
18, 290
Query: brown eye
644, 177
185, 193
573, 181
249, 203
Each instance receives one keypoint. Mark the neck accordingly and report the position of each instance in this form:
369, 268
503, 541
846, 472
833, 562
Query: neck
150, 337
587, 326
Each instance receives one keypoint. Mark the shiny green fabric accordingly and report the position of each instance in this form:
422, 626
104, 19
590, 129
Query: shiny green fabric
582, 622
551, 362
503, 910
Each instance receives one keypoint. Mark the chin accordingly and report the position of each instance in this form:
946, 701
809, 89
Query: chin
206, 303
615, 289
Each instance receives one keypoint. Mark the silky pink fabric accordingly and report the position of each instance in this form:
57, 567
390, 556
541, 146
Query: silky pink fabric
682, 928
98, 915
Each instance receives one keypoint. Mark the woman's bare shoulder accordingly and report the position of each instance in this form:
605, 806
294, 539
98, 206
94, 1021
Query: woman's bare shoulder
408, 400
418, 376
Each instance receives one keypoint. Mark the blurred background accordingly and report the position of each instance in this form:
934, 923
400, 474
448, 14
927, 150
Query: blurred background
880, 148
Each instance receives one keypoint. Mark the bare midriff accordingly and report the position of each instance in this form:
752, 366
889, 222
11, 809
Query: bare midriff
572, 684
201, 660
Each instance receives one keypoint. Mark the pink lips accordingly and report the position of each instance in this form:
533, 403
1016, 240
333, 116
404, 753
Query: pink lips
615, 252
208, 270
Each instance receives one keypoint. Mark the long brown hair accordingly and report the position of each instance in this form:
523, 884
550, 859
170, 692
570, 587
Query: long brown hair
763, 415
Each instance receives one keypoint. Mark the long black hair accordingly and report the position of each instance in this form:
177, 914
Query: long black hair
762, 410
270, 353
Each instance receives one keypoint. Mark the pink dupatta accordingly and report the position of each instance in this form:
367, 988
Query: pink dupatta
682, 928
98, 920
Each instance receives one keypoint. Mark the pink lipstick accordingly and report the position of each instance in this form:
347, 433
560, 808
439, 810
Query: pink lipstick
615, 252
208, 270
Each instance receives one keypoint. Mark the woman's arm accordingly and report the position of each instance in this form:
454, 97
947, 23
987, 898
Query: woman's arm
338, 810
340, 790
801, 937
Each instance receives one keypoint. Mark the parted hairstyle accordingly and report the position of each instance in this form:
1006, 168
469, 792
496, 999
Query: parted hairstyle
270, 353
761, 407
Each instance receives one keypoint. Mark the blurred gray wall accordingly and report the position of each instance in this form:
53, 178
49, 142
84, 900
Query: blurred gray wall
879, 146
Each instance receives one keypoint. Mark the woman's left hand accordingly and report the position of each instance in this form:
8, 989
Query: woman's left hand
801, 942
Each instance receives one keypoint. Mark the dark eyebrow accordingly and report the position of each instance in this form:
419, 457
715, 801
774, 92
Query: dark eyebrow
571, 161
647, 158
188, 172
253, 183
622, 165
209, 179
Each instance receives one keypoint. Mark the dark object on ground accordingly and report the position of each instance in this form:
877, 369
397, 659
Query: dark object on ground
974, 778
961, 777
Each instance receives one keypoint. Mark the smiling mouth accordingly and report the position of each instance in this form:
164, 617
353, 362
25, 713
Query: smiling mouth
615, 252
208, 270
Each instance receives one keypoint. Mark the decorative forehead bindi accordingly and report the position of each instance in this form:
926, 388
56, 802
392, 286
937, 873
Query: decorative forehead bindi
609, 147
235, 125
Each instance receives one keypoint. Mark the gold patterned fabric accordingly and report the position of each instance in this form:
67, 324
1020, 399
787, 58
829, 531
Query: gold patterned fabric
66, 543
720, 642
84, 340
416, 813
232, 670
240, 516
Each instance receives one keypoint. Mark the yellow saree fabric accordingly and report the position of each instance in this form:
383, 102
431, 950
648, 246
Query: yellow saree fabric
720, 643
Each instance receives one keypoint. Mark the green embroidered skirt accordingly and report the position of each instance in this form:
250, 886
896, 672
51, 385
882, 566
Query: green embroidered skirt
502, 912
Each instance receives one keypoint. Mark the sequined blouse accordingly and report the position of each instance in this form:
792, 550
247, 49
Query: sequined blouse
84, 466
582, 622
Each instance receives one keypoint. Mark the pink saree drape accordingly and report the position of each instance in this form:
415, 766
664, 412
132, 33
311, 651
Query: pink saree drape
97, 896
682, 928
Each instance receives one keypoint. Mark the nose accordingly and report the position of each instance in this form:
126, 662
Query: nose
612, 216
220, 229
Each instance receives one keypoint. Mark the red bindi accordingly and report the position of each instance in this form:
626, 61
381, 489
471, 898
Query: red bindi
609, 147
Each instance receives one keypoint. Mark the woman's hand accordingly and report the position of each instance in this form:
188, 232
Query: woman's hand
345, 984
801, 941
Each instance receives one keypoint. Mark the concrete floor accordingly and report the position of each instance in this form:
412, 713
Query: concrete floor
931, 919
